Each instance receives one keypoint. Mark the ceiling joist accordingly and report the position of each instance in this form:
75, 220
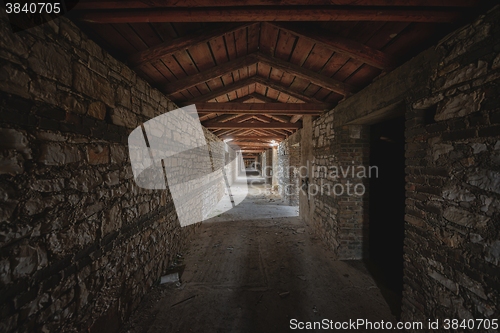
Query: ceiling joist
262, 108
136, 4
269, 13
349, 47
182, 43
259, 125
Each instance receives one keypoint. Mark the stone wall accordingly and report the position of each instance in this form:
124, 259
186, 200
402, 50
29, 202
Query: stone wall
452, 244
452, 235
80, 242
338, 187
288, 169
267, 165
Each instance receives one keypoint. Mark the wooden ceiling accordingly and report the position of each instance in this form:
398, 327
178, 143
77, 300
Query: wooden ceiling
255, 67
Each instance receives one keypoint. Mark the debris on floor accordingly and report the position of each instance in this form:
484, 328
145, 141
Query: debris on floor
284, 294
170, 278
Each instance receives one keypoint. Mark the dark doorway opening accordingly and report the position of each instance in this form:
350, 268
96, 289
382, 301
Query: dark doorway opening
387, 209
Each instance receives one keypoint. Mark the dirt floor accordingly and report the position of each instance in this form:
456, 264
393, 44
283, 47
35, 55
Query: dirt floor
255, 275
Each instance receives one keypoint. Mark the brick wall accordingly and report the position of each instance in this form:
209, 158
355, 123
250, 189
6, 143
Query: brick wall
80, 242
339, 194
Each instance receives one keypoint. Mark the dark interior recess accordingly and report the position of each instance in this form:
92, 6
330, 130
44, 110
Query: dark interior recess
387, 202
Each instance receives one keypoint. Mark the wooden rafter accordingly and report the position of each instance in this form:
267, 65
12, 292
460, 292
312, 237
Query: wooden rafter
136, 4
182, 43
245, 82
263, 99
236, 125
222, 91
268, 138
279, 87
263, 108
304, 73
342, 45
248, 60
269, 13
210, 74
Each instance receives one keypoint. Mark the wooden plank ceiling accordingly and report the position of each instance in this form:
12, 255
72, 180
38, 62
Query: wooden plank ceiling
255, 67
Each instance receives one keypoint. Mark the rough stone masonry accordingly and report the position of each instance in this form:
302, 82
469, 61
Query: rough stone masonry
80, 242
451, 97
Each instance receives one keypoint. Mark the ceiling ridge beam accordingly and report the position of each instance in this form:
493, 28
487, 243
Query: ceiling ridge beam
307, 74
346, 46
182, 43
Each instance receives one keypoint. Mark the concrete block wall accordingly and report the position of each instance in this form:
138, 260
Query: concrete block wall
80, 242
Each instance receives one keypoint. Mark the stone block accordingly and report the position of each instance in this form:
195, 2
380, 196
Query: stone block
48, 185
27, 259
11, 163
123, 117
98, 154
459, 106
14, 139
85, 180
119, 154
112, 220
464, 218
49, 61
464, 74
14, 81
97, 110
123, 97
488, 180
92, 85
59, 154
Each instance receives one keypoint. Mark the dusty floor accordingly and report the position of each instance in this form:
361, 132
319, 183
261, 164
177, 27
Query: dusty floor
255, 275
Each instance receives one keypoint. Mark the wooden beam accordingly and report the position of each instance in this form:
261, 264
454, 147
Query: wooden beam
241, 99
268, 13
182, 43
220, 70
131, 4
245, 82
210, 74
221, 91
260, 125
283, 119
263, 108
249, 144
279, 87
264, 99
254, 137
304, 73
295, 118
349, 47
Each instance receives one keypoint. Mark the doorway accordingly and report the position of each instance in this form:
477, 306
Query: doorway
387, 209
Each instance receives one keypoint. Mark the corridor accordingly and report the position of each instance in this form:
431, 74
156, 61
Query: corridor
255, 275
